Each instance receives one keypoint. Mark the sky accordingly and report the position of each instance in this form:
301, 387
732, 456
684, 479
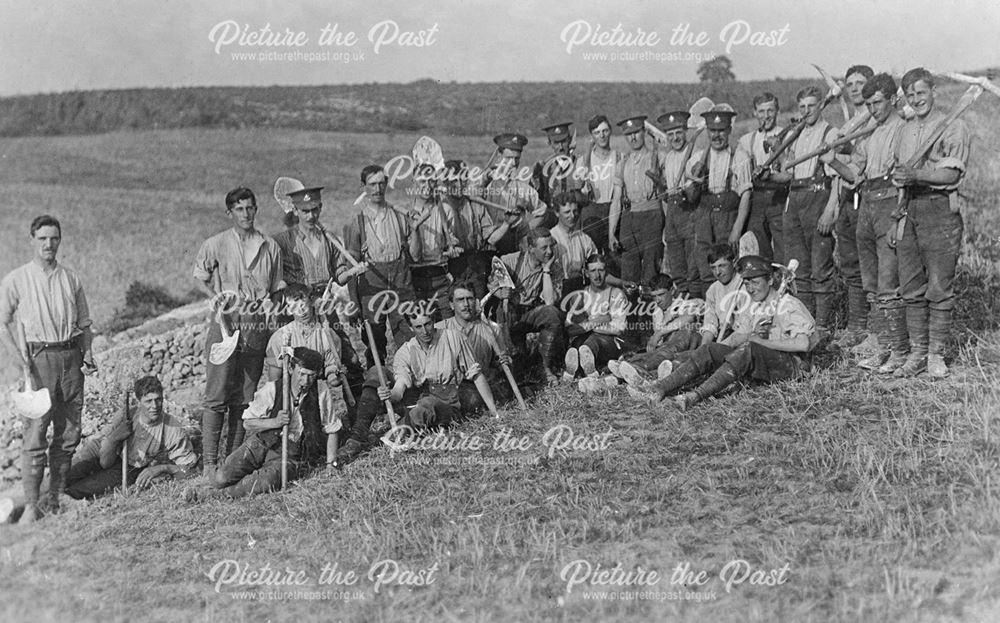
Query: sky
49, 46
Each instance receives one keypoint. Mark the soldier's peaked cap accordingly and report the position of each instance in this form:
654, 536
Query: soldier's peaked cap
306, 195
673, 120
632, 125
558, 131
509, 140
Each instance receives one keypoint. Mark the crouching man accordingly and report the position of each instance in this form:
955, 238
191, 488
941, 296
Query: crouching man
158, 449
434, 362
313, 425
770, 337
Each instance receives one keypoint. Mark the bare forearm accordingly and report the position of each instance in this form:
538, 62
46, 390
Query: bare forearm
486, 393
797, 344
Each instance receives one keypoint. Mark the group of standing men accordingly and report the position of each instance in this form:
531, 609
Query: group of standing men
594, 225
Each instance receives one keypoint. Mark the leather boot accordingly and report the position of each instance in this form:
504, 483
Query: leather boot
916, 326
722, 378
681, 376
878, 327
939, 331
857, 318
58, 470
547, 347
31, 482
896, 336
824, 310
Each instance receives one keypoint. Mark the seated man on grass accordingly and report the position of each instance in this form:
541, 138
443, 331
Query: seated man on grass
675, 330
771, 337
430, 367
158, 450
313, 424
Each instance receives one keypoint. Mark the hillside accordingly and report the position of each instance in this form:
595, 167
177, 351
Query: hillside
424, 105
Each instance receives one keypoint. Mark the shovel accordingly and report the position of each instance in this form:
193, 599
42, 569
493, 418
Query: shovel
30, 403
222, 351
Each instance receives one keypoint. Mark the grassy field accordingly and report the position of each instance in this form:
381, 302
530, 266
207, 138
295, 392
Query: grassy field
856, 498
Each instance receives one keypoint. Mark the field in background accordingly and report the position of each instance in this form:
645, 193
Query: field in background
879, 494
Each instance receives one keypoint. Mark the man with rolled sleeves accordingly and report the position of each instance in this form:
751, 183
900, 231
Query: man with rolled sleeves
470, 224
42, 303
811, 213
435, 242
384, 240
723, 181
871, 160
432, 365
538, 277
600, 164
639, 210
309, 258
574, 245
847, 222
557, 173
770, 341
241, 269
486, 343
767, 201
523, 209
681, 214
931, 240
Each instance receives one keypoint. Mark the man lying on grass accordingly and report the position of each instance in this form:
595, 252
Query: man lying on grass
313, 422
158, 450
770, 339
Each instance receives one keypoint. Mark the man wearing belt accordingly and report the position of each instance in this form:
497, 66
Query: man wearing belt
432, 365
382, 237
435, 243
679, 228
639, 208
574, 245
931, 240
722, 190
848, 219
557, 173
470, 225
488, 347
811, 212
522, 207
600, 163
537, 275
870, 163
312, 431
240, 268
769, 340
43, 304
767, 201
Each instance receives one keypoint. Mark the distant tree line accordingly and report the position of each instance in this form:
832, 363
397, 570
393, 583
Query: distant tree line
426, 105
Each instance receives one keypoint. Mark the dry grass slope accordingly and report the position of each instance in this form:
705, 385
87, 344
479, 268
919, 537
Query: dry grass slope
879, 494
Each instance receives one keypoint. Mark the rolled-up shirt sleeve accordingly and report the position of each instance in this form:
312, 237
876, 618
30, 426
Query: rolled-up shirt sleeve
8, 300
464, 358
83, 320
331, 409
206, 261
263, 401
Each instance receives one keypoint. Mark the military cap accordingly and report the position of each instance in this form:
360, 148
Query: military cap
751, 266
673, 120
719, 119
633, 124
557, 132
306, 195
508, 140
